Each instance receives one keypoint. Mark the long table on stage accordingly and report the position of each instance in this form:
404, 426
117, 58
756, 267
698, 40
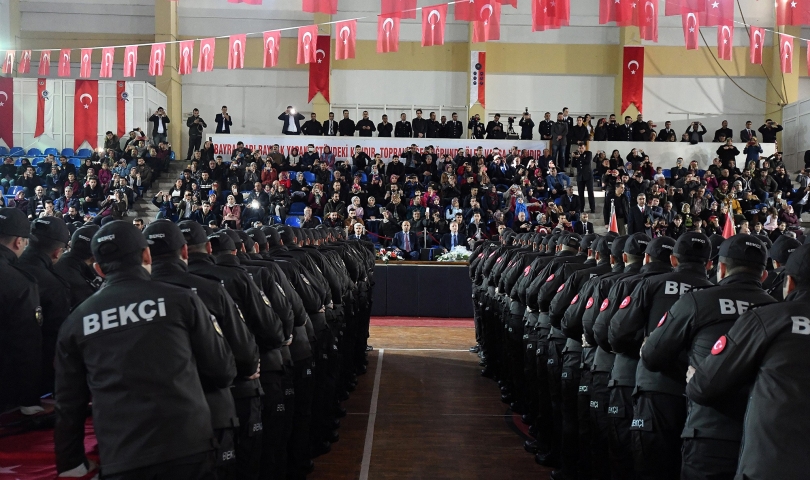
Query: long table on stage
422, 289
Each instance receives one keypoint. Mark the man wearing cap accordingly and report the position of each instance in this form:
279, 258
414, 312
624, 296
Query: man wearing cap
780, 251
695, 327
20, 332
76, 266
659, 412
766, 347
170, 265
132, 343
49, 237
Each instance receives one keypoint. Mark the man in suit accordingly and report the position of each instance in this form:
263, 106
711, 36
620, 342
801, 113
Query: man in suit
453, 239
571, 203
495, 128
499, 171
292, 121
159, 130
359, 233
330, 127
312, 126
224, 121
455, 129
748, 132
406, 242
638, 218
625, 132
664, 133
583, 226
544, 128
583, 162
403, 127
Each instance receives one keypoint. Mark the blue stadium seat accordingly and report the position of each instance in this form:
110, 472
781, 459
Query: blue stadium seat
37, 161
363, 178
297, 208
309, 177
13, 190
3, 151
68, 152
667, 173
34, 152
52, 151
84, 153
172, 156
700, 173
320, 220
17, 152
75, 161
18, 162
558, 201
276, 219
293, 222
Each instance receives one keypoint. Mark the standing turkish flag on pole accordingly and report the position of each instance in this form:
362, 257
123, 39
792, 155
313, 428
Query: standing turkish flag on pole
786, 53
156, 59
757, 44
186, 57
8, 63
86, 65
320, 6
307, 40
272, 40
613, 226
398, 8
691, 30
729, 229
130, 60
433, 21
85, 114
7, 111
345, 42
25, 62
725, 41
107, 61
44, 125
487, 25
648, 21
387, 34
718, 13
64, 63
633, 77
236, 51
44, 63
319, 68
206, 63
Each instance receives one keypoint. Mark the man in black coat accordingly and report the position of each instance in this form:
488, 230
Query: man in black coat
330, 127
583, 162
624, 133
312, 126
639, 216
291, 119
455, 129
346, 127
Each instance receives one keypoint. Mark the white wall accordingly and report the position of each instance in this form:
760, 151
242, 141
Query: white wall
796, 136
510, 94
92, 16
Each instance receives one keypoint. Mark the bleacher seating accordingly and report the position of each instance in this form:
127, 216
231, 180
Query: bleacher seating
17, 152
68, 152
84, 153
52, 151
293, 222
3, 151
297, 208
34, 152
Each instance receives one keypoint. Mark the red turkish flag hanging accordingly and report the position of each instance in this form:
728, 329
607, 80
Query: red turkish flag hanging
346, 39
679, 7
25, 62
387, 34
626, 13
398, 8
206, 63
786, 53
319, 68
307, 40
272, 40
156, 59
130, 60
86, 65
792, 12
107, 61
434, 19
236, 51
725, 41
8, 63
691, 30
544, 15
718, 13
467, 10
45, 63
487, 25
608, 10
64, 63
648, 21
186, 57
633, 77
757, 45
85, 114
7, 111
320, 6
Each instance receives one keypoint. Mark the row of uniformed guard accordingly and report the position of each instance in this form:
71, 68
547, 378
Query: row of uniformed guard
203, 355
637, 358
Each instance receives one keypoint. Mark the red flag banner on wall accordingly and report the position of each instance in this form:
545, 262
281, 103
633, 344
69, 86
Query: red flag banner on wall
307, 40
550, 14
8, 63
320, 6
346, 39
206, 63
757, 45
44, 63
478, 73
123, 107
130, 60
608, 11
679, 7
25, 62
7, 111
725, 41
466, 11
107, 61
633, 77
717, 13
319, 68
433, 22
186, 57
487, 25
691, 30
236, 51
398, 8
648, 21
157, 57
786, 53
44, 125
86, 65
387, 34
792, 12
272, 40
85, 114
64, 63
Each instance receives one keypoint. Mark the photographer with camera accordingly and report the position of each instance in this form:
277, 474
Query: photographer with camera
291, 120
476, 128
160, 133
195, 125
769, 131
526, 125
224, 121
695, 133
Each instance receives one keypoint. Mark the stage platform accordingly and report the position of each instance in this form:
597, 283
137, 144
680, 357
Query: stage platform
422, 289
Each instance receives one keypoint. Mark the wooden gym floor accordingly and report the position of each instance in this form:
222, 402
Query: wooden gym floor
431, 416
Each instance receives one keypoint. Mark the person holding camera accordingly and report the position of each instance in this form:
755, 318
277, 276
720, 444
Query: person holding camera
291, 120
769, 131
224, 121
727, 152
495, 128
694, 133
526, 125
476, 127
160, 131
195, 125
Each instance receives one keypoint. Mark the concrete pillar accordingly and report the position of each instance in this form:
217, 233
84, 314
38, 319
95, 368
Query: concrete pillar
171, 83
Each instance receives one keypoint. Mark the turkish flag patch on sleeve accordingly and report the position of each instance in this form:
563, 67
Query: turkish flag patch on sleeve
604, 305
590, 303
575, 300
625, 302
719, 345
561, 288
663, 319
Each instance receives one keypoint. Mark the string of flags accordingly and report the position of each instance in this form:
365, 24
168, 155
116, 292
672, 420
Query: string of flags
484, 15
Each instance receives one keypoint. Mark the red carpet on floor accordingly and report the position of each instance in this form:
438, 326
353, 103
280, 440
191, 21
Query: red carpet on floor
422, 322
30, 456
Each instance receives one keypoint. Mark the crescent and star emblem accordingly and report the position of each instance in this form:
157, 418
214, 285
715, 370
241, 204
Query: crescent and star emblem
320, 60
348, 34
86, 105
632, 70
5, 98
481, 13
